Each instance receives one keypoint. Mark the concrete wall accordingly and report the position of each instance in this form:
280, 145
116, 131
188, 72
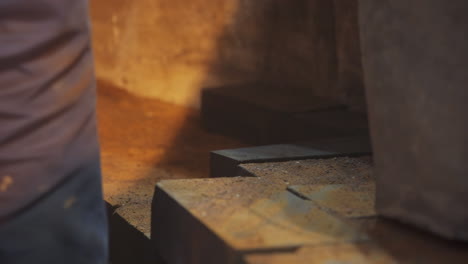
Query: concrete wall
348, 49
172, 49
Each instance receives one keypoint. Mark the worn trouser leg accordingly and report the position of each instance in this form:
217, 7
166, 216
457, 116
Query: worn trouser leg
68, 225
51, 208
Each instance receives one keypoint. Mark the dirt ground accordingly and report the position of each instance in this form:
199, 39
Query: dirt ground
144, 141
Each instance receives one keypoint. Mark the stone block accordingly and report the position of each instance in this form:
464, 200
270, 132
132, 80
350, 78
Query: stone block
224, 163
389, 243
219, 220
344, 170
264, 114
275, 219
362, 253
127, 244
343, 200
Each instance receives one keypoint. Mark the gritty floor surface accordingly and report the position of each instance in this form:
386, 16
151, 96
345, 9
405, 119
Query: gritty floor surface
144, 141
345, 170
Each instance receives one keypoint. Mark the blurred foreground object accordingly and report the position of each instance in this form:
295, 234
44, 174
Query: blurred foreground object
416, 64
51, 207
